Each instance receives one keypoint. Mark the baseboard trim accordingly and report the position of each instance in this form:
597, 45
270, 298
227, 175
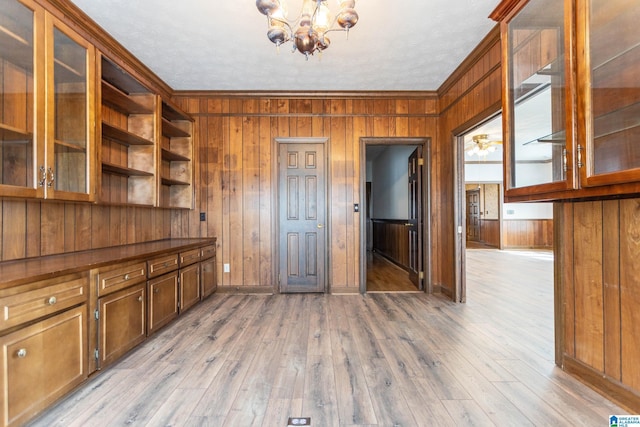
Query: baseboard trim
607, 386
344, 290
242, 290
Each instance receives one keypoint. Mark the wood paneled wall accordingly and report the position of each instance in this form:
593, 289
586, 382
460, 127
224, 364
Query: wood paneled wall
31, 228
527, 233
490, 232
234, 171
598, 257
391, 238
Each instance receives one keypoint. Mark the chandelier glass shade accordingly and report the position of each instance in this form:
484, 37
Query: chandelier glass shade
308, 32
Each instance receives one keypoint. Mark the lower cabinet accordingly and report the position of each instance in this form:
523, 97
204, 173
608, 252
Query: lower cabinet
122, 322
189, 286
42, 362
208, 277
163, 301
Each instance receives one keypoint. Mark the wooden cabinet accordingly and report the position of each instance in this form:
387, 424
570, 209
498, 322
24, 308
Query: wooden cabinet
189, 278
128, 123
162, 301
43, 344
47, 95
189, 286
176, 155
122, 317
208, 268
571, 76
121, 307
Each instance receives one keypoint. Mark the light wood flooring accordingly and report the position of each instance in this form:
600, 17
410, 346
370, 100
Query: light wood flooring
384, 276
374, 360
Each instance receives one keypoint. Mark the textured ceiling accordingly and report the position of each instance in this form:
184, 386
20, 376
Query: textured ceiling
397, 45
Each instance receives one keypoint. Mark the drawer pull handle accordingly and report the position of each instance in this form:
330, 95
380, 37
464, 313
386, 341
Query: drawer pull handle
52, 300
22, 353
140, 298
126, 277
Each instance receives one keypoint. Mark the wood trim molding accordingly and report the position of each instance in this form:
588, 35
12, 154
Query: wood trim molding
605, 385
503, 10
245, 290
344, 290
476, 55
310, 95
104, 42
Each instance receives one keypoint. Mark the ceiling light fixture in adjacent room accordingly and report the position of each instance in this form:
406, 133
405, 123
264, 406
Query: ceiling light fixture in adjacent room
481, 145
308, 32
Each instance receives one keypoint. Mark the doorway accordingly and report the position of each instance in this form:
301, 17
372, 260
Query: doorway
301, 217
395, 232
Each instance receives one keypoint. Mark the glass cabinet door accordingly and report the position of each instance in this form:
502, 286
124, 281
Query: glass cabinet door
609, 36
70, 154
537, 113
18, 111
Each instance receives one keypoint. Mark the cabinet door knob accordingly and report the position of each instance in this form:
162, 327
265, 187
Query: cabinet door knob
156, 290
22, 353
126, 277
52, 300
140, 298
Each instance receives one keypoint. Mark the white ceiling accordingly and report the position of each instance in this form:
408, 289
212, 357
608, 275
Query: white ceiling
397, 45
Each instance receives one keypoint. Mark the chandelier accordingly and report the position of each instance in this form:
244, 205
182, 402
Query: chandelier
481, 145
307, 32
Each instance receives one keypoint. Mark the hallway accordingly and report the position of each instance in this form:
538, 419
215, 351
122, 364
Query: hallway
352, 360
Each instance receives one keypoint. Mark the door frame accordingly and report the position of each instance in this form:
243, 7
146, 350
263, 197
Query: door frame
275, 222
425, 142
459, 200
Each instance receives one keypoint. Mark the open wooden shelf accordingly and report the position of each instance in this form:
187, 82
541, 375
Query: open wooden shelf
171, 181
173, 156
123, 136
121, 101
172, 131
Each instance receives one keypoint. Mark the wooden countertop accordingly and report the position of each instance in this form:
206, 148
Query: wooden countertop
19, 272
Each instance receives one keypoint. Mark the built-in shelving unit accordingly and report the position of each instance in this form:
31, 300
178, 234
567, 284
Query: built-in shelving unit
128, 123
176, 154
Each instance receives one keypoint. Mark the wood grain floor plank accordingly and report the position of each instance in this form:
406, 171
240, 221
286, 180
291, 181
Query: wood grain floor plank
352, 360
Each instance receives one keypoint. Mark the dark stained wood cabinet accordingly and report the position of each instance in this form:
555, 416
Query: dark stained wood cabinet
43, 344
571, 78
189, 286
189, 278
47, 137
162, 301
208, 269
122, 319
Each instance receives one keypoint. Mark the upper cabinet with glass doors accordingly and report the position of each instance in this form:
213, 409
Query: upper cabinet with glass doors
21, 118
46, 105
571, 104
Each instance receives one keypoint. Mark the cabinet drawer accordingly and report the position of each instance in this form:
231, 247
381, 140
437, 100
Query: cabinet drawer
39, 301
122, 277
189, 257
208, 252
163, 264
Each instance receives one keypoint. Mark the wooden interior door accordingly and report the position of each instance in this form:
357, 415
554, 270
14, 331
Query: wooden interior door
302, 217
473, 215
414, 225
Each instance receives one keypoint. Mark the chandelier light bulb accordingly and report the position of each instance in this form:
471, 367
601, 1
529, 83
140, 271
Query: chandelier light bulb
308, 33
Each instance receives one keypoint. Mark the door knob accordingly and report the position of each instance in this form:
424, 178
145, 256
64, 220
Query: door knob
320, 226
